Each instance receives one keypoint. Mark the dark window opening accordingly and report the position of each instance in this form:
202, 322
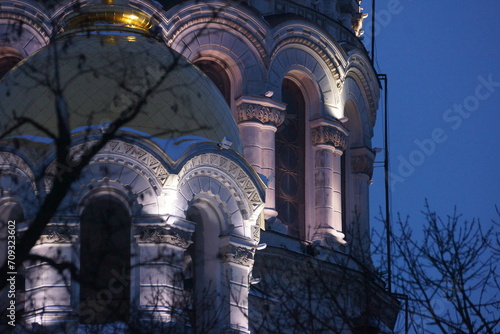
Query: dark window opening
104, 262
8, 59
290, 161
219, 77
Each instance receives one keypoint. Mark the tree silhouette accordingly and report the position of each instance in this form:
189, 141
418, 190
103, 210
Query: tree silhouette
450, 273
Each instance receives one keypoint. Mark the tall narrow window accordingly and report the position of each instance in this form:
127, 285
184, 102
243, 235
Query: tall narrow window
290, 161
207, 283
104, 262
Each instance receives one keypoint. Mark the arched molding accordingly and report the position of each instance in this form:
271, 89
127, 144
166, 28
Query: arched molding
122, 166
10, 161
229, 186
62, 9
315, 40
362, 72
237, 18
227, 61
310, 89
211, 37
155, 10
215, 206
297, 55
103, 187
354, 124
118, 152
356, 110
205, 186
24, 26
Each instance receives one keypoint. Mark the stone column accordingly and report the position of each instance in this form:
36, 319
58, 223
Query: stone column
258, 119
48, 291
158, 268
361, 172
238, 258
329, 140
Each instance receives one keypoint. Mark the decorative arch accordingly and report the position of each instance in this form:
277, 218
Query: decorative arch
354, 124
217, 72
224, 70
221, 181
356, 110
218, 12
227, 46
200, 30
361, 72
119, 166
24, 26
293, 57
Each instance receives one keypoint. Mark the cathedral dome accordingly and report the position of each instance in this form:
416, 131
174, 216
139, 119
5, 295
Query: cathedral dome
104, 76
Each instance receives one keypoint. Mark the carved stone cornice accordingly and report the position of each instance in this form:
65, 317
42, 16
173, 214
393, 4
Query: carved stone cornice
163, 234
57, 234
260, 113
237, 254
329, 135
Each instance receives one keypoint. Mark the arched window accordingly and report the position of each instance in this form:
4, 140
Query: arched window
104, 261
350, 212
206, 270
218, 75
290, 161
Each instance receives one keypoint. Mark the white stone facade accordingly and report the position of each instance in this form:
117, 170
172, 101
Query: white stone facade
303, 96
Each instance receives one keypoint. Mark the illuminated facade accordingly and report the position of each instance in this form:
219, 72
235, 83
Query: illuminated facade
167, 226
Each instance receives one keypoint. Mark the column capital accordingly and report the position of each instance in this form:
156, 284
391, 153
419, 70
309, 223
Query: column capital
260, 109
362, 161
330, 133
238, 253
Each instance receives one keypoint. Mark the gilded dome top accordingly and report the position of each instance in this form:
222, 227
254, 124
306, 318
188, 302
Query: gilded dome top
103, 76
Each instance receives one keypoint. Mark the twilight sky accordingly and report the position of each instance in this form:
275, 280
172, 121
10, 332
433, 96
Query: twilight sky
443, 64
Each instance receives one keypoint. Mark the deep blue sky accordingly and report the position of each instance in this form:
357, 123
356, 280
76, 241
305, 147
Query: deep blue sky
434, 53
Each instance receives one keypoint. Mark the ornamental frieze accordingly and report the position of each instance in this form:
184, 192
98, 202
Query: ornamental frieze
138, 159
160, 234
329, 135
58, 234
263, 114
237, 254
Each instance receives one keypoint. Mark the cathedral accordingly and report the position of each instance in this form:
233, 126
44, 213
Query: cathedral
187, 166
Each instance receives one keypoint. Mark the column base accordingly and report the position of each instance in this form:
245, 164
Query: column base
329, 237
275, 224
270, 213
